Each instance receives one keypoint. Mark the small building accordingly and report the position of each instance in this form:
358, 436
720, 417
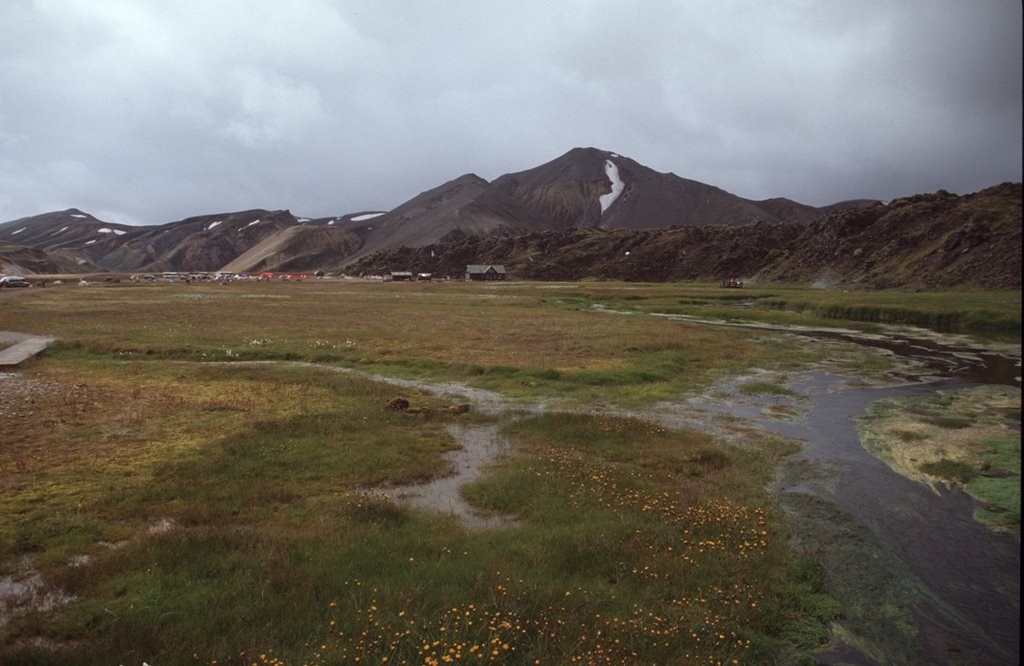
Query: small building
401, 276
485, 272
424, 277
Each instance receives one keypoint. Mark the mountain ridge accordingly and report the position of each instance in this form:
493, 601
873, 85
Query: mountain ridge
583, 189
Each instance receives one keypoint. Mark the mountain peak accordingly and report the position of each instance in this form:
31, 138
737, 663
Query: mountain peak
589, 152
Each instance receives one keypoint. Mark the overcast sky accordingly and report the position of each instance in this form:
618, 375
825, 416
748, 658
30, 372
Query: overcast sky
148, 111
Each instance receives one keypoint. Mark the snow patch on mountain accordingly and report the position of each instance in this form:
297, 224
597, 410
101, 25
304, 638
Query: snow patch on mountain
19, 231
612, 172
367, 216
213, 224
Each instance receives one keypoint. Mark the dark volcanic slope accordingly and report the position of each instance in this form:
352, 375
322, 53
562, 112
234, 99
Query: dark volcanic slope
567, 191
65, 241
62, 230
466, 206
585, 188
589, 212
298, 248
935, 240
20, 260
202, 243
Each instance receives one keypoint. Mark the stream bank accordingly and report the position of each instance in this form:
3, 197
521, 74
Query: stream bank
919, 579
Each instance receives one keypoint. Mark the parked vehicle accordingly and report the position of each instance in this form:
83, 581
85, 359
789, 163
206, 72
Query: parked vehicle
13, 281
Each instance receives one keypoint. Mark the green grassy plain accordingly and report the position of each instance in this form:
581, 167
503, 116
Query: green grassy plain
201, 512
988, 313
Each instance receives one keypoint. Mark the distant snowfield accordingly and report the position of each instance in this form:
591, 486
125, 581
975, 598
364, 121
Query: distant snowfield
83, 217
612, 172
252, 223
367, 216
213, 224
19, 231
106, 230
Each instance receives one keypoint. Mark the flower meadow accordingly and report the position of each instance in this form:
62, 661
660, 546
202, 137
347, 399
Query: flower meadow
277, 481
629, 548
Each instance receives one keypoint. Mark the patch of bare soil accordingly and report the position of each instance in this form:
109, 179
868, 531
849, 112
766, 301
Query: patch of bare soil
32, 413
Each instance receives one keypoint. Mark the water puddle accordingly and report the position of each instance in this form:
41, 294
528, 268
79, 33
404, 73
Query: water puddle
24, 592
480, 446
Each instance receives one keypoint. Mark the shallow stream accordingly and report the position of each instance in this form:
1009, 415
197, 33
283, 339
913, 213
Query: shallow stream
895, 549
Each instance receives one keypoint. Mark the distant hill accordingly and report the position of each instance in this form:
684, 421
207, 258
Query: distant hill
201, 243
70, 229
575, 216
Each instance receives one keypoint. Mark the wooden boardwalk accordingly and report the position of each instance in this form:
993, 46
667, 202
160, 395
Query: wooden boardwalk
25, 347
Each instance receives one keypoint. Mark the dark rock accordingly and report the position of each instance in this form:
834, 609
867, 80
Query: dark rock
398, 404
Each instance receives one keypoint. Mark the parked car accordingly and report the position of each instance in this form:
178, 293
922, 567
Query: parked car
13, 281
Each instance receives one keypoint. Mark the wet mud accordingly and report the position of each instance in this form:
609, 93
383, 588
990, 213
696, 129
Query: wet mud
479, 446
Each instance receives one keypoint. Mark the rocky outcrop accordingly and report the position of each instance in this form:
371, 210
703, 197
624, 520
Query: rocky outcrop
935, 240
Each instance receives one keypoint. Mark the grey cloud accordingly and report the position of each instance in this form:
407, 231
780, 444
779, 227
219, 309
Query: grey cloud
153, 111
